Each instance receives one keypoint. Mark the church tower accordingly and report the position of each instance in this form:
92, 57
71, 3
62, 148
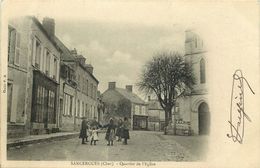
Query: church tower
195, 55
193, 108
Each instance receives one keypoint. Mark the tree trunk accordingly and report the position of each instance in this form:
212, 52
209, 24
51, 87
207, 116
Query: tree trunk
174, 120
166, 122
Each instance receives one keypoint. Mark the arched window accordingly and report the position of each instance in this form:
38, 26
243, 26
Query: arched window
202, 71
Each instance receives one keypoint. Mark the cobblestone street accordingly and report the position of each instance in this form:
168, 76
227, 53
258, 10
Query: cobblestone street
143, 146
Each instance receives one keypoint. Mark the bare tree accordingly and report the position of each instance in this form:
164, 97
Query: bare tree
168, 76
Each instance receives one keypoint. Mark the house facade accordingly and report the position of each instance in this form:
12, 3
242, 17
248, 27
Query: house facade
193, 112
156, 115
78, 92
33, 78
50, 88
122, 103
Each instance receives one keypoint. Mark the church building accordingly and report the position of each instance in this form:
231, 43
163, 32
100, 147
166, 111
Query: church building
193, 108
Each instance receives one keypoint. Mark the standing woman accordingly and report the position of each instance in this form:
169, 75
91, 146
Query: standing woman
110, 134
125, 132
83, 130
119, 130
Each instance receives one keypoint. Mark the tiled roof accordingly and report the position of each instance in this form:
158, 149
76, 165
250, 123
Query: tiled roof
130, 96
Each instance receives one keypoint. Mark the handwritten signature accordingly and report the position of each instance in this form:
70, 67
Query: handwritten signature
237, 109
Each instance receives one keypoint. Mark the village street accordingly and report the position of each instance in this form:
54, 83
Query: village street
143, 146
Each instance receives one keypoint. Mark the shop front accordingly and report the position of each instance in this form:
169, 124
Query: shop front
44, 104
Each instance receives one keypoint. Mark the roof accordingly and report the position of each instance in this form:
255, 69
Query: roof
154, 105
130, 96
38, 23
66, 55
85, 68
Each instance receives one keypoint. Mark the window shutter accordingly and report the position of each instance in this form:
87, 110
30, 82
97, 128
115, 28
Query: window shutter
17, 50
33, 50
41, 59
14, 103
12, 46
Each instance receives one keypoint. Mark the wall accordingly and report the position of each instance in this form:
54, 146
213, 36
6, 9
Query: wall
84, 95
17, 79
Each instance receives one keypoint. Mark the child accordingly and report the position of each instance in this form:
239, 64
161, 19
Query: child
110, 134
94, 135
119, 130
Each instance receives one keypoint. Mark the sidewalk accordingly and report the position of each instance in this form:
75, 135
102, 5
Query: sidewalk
32, 139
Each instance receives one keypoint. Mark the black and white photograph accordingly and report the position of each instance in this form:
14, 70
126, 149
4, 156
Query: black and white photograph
126, 84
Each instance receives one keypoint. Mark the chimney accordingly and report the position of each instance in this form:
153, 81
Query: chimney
89, 68
129, 88
49, 25
81, 59
74, 52
111, 85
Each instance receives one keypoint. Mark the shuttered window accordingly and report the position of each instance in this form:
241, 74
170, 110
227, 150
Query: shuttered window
11, 44
17, 49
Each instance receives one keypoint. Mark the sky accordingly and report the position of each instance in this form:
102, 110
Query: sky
118, 51
119, 37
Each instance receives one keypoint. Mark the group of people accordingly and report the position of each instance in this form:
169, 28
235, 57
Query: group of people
120, 130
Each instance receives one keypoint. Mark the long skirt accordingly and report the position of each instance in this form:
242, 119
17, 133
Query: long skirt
119, 132
110, 136
83, 133
125, 134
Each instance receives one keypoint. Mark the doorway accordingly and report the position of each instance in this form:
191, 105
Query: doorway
204, 118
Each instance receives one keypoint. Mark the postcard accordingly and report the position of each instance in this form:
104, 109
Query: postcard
122, 83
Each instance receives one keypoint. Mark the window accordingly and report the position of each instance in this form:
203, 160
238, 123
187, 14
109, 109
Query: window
143, 110
14, 45
202, 71
82, 110
11, 43
38, 54
91, 90
86, 110
95, 92
40, 104
68, 105
87, 87
17, 49
78, 112
51, 107
47, 63
55, 69
136, 109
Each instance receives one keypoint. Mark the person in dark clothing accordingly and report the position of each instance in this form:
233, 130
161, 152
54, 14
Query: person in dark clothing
119, 130
125, 131
83, 130
110, 134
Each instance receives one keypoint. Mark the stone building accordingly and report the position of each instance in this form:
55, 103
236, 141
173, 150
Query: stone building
193, 107
122, 103
156, 115
78, 92
33, 78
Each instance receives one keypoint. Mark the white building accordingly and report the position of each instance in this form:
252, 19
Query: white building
193, 108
